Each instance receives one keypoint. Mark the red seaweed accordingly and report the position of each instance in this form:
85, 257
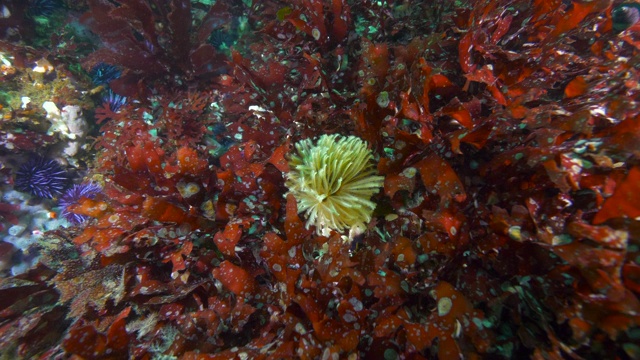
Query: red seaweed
507, 226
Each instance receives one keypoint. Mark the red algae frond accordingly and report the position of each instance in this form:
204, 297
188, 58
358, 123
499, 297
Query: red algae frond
487, 171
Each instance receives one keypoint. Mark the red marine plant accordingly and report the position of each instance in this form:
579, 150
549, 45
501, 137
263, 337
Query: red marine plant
507, 135
131, 39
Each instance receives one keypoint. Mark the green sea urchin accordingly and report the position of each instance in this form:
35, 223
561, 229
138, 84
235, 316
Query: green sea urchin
333, 182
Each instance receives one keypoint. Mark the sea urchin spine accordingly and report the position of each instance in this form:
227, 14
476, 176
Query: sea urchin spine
41, 177
73, 196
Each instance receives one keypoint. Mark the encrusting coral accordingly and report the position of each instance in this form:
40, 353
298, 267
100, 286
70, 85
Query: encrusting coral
333, 182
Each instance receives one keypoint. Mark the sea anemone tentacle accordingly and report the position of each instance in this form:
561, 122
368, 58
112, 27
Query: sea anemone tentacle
333, 182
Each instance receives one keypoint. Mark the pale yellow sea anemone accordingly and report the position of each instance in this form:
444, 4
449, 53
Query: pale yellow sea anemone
333, 182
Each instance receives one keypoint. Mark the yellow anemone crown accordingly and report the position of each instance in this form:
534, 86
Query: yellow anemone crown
333, 182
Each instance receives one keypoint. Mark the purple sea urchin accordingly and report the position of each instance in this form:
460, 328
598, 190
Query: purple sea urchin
113, 100
103, 74
43, 7
41, 177
73, 196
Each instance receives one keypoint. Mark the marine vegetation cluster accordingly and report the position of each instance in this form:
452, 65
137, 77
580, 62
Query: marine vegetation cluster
172, 143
